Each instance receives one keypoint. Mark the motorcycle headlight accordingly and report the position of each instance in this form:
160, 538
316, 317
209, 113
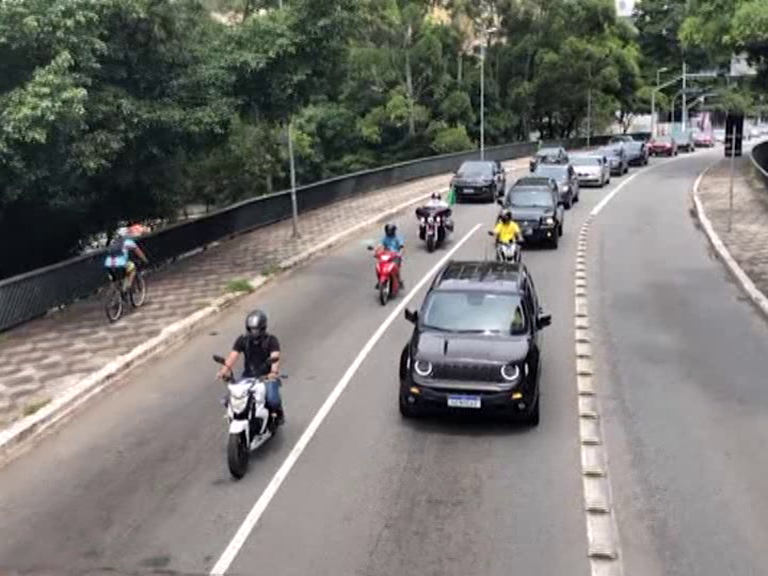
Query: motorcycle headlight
423, 368
511, 373
549, 221
565, 187
238, 403
431, 219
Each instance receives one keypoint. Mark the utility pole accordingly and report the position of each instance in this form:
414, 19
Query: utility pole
682, 116
294, 200
589, 105
482, 96
653, 100
292, 162
733, 169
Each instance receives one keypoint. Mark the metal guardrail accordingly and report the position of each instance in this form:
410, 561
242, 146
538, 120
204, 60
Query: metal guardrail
34, 293
759, 158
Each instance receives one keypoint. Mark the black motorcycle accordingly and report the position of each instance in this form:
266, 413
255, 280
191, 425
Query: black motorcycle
434, 225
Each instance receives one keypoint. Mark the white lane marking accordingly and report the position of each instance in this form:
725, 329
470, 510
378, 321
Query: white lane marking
599, 208
245, 529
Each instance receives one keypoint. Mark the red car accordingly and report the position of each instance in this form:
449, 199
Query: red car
663, 146
703, 140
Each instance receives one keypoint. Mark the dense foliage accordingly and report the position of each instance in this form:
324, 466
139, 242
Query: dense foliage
134, 109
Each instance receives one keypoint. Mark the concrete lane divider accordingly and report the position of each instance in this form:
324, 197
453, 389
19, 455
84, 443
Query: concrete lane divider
753, 292
254, 515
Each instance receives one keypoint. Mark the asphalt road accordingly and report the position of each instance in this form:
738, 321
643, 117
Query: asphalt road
683, 360
138, 481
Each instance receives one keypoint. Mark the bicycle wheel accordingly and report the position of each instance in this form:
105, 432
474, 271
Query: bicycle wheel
138, 291
113, 303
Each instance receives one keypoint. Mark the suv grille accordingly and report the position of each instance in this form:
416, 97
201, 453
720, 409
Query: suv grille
467, 372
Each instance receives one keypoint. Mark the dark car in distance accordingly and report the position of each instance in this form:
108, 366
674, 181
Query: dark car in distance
475, 345
479, 179
567, 181
617, 158
549, 156
535, 206
636, 150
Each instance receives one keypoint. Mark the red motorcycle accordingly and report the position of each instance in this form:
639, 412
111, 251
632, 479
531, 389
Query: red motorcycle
388, 273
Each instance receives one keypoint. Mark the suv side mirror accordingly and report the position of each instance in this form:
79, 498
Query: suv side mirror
412, 316
543, 321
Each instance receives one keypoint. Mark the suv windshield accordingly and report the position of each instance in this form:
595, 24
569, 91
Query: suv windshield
475, 312
475, 169
531, 198
552, 171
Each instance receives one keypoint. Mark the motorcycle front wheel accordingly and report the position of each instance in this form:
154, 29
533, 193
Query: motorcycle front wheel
384, 289
430, 243
237, 455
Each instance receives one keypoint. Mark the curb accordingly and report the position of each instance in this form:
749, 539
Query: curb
755, 295
31, 427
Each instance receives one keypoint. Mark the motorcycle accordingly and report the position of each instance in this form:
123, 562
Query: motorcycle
250, 422
507, 252
434, 225
388, 273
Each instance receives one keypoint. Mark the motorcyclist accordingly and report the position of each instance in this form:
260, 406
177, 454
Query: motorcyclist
393, 243
262, 359
436, 202
119, 256
507, 230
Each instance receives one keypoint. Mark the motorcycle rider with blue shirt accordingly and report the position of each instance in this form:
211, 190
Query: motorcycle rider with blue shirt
393, 243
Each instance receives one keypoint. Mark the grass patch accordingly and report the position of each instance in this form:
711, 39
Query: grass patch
239, 285
33, 407
270, 269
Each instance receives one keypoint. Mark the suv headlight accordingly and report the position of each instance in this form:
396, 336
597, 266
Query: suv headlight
549, 221
423, 368
511, 373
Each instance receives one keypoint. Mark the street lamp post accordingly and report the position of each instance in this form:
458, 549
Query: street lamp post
294, 200
682, 116
483, 42
653, 100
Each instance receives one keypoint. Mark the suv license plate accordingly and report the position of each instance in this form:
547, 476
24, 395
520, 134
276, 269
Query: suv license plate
464, 401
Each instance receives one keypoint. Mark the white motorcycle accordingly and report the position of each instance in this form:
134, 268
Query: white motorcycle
250, 422
507, 252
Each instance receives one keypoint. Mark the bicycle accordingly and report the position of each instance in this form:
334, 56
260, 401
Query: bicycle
116, 298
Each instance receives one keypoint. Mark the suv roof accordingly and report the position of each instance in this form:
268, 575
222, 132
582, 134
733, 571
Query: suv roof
528, 181
481, 276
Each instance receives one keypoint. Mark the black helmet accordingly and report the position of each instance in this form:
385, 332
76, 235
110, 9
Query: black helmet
256, 323
506, 216
390, 229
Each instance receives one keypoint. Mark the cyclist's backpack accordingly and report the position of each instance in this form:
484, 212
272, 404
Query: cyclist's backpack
116, 248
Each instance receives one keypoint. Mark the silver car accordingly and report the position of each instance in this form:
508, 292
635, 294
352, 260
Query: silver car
591, 170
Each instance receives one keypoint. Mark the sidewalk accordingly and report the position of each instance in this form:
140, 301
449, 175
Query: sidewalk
44, 358
747, 241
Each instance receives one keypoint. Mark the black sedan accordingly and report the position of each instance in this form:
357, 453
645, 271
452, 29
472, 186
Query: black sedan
479, 179
566, 179
475, 346
536, 208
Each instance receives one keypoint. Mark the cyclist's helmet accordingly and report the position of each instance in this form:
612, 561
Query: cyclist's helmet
390, 230
506, 216
256, 324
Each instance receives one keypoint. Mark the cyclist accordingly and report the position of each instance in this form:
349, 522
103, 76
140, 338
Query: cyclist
119, 257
